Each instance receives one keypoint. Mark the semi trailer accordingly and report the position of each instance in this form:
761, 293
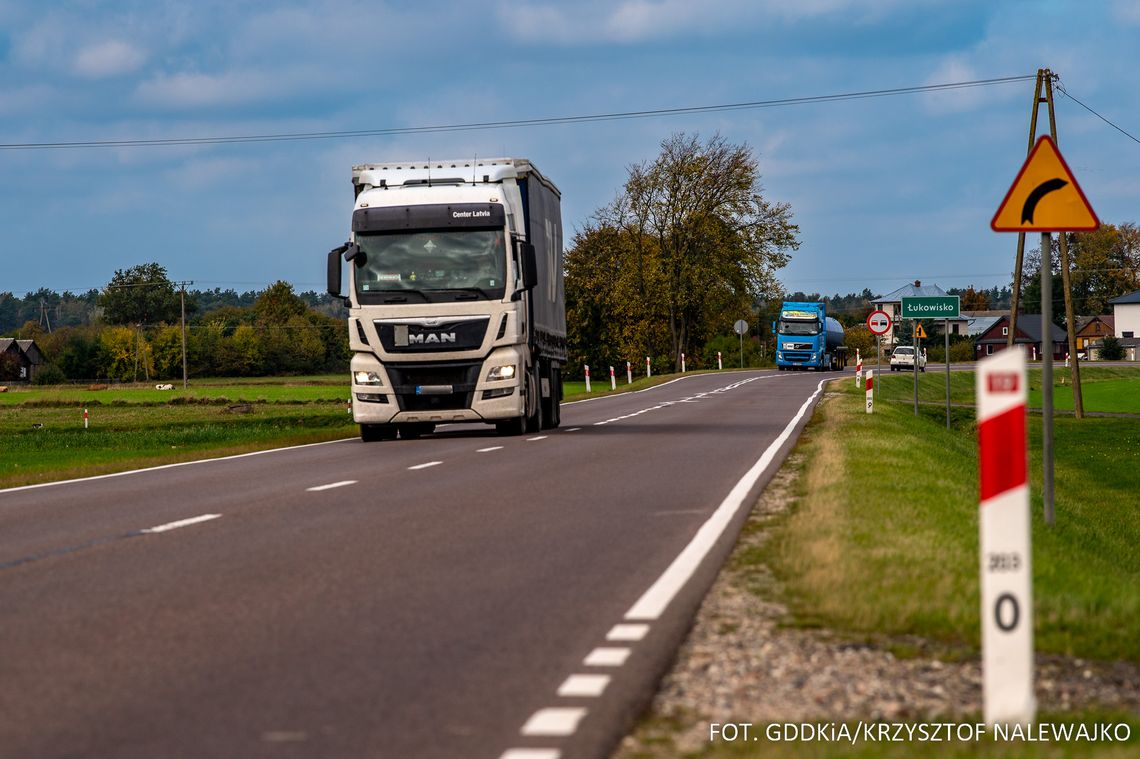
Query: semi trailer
455, 296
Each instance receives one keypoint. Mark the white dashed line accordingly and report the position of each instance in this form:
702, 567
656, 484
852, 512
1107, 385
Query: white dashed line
627, 632
425, 466
331, 485
531, 753
606, 657
181, 523
539, 437
554, 721
583, 686
492, 448
572, 429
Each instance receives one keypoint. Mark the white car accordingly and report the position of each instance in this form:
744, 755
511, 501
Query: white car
902, 360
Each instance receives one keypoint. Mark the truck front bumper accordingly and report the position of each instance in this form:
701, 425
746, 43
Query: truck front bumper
436, 391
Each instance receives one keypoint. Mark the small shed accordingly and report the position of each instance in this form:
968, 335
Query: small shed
20, 360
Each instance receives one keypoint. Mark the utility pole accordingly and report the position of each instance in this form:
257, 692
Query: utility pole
44, 318
1044, 85
182, 293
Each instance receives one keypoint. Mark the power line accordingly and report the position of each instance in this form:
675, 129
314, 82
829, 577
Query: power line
1069, 95
293, 136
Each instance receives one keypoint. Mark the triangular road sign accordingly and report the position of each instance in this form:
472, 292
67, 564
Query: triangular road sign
1045, 197
919, 332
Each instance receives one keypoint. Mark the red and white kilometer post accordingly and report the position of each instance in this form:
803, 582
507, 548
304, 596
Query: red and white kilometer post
1007, 593
870, 391
613, 382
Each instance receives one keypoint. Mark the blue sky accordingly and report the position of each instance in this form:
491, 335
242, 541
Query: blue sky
885, 190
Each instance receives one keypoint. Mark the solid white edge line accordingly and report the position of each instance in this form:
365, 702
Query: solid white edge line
180, 523
170, 466
554, 721
654, 601
607, 656
583, 686
425, 466
330, 486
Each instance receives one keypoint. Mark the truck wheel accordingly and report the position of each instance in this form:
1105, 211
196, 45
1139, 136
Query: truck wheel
551, 409
511, 427
372, 433
533, 401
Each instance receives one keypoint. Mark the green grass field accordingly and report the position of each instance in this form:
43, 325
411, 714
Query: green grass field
884, 539
1103, 388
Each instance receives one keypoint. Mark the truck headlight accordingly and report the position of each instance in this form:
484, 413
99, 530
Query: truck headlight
501, 373
366, 378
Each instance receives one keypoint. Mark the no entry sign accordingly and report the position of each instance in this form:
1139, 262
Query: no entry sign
879, 322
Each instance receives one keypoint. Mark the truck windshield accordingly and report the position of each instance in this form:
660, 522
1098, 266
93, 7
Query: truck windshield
789, 327
433, 265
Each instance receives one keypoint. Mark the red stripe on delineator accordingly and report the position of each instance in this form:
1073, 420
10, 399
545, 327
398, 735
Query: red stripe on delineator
1002, 457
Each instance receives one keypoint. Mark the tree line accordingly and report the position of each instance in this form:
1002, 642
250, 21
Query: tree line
131, 331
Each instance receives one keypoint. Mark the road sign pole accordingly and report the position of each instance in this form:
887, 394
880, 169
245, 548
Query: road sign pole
1047, 373
878, 356
1007, 600
916, 368
947, 328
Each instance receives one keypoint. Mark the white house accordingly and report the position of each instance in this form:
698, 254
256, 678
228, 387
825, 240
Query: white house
1126, 310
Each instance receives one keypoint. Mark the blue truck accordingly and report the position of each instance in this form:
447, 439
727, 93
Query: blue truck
807, 338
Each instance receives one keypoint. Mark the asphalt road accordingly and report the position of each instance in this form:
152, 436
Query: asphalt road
462, 595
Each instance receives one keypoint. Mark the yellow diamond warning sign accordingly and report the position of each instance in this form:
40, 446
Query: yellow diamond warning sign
1045, 197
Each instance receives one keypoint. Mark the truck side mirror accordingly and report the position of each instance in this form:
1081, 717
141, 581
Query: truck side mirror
334, 271
529, 266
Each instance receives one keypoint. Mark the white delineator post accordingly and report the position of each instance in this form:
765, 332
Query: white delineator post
870, 391
587, 378
613, 381
719, 363
1007, 593
84, 418
648, 368
628, 373
858, 369
682, 363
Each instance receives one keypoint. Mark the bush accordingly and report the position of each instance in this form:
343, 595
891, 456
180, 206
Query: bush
49, 374
1111, 349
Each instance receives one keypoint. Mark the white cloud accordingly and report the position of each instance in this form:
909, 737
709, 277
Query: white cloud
107, 59
194, 90
643, 20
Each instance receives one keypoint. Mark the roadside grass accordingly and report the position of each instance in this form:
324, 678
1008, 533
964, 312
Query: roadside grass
267, 390
883, 541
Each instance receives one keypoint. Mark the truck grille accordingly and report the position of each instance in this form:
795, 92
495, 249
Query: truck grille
432, 336
434, 387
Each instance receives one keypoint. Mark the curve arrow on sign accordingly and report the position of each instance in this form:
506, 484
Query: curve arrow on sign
1040, 191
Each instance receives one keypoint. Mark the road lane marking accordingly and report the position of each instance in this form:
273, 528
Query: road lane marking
583, 686
425, 466
607, 656
539, 437
180, 523
531, 753
554, 721
654, 601
492, 448
331, 485
627, 632
572, 429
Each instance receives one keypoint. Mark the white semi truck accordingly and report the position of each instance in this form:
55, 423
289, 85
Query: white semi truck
455, 296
